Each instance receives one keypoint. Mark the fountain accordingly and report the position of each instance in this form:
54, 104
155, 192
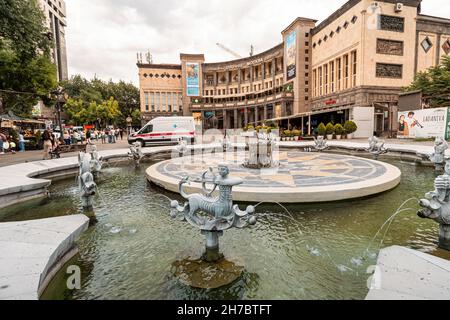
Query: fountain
135, 153
96, 161
320, 144
438, 157
436, 206
225, 216
260, 152
376, 147
226, 144
86, 181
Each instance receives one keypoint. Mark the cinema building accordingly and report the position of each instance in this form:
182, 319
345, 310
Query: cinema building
351, 66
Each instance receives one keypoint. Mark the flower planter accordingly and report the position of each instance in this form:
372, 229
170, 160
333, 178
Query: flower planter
329, 136
350, 136
338, 137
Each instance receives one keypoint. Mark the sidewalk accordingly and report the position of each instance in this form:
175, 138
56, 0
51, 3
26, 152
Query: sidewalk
37, 155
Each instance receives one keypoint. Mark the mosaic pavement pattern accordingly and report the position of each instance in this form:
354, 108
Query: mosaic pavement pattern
296, 169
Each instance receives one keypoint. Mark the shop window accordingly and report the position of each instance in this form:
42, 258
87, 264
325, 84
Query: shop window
426, 44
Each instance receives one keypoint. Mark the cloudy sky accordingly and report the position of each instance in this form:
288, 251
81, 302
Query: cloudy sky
103, 36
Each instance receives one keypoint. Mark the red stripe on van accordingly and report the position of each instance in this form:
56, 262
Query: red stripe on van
168, 134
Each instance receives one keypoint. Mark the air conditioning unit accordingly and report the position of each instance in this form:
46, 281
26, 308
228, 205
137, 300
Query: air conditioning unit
398, 7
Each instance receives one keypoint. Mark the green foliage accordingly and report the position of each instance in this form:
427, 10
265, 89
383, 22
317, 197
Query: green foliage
26, 71
321, 129
350, 127
287, 133
329, 128
296, 133
434, 83
338, 129
104, 102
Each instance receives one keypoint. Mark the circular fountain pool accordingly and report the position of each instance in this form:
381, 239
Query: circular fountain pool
308, 251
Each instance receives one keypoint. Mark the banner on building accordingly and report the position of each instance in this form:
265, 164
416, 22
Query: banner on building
424, 123
291, 56
193, 79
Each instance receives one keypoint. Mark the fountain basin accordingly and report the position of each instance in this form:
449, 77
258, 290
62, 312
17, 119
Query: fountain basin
300, 178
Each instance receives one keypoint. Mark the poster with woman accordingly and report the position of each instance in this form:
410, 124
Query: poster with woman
424, 123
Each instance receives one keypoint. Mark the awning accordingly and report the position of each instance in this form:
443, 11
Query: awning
16, 119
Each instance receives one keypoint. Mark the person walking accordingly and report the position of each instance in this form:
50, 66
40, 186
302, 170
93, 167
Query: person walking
66, 137
47, 138
21, 142
103, 136
121, 134
88, 136
2, 141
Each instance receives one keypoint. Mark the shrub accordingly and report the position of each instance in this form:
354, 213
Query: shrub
296, 133
287, 133
338, 129
329, 128
321, 129
350, 127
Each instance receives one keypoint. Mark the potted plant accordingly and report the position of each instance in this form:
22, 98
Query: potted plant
321, 130
329, 130
287, 134
296, 134
350, 128
338, 130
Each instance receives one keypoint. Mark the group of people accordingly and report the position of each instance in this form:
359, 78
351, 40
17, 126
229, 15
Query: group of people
8, 144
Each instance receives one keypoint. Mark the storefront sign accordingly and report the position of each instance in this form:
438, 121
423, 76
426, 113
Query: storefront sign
7, 124
193, 79
330, 102
291, 56
424, 123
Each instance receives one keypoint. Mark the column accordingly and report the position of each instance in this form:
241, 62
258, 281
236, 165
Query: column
283, 109
235, 118
225, 120
256, 115
303, 125
265, 112
309, 125
246, 116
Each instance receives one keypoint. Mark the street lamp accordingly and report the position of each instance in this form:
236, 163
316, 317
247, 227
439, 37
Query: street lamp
61, 98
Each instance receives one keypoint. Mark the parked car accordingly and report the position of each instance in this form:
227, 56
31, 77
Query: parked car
165, 130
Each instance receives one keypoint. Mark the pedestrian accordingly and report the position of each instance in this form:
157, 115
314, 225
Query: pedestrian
21, 142
47, 138
66, 137
2, 140
121, 134
103, 136
117, 132
113, 135
88, 136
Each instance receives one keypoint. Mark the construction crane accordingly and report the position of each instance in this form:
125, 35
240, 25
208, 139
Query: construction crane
238, 56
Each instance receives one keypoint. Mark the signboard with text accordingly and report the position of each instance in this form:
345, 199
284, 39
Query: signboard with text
424, 123
192, 79
291, 56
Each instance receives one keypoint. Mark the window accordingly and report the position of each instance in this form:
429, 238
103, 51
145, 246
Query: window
426, 44
446, 46
158, 101
315, 82
354, 67
338, 29
331, 34
163, 102
152, 100
332, 76
392, 47
146, 101
339, 73
325, 38
320, 81
175, 102
346, 73
346, 24
325, 71
147, 129
354, 19
169, 102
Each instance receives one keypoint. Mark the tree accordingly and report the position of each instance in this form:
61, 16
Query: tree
434, 83
26, 71
105, 102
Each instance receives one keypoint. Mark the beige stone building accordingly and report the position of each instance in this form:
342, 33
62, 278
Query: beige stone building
55, 13
352, 65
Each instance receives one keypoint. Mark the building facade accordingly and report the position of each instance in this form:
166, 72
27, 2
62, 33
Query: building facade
351, 66
55, 14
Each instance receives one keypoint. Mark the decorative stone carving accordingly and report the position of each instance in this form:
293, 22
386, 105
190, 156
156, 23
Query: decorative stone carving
386, 70
391, 47
224, 214
96, 161
436, 206
86, 181
392, 23
320, 144
182, 147
135, 153
260, 152
376, 147
438, 157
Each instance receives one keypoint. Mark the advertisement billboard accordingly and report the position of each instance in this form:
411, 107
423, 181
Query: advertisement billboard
291, 54
424, 123
193, 79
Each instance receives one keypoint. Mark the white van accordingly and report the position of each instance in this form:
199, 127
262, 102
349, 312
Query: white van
165, 130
